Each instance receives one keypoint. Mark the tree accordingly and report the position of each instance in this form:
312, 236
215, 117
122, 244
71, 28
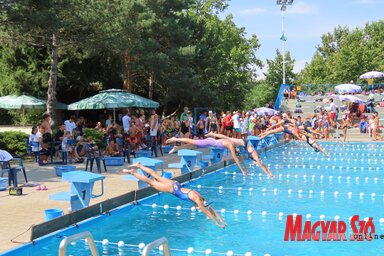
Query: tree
259, 95
274, 74
53, 25
345, 54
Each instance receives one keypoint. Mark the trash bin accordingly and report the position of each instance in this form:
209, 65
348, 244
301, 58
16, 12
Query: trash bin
52, 213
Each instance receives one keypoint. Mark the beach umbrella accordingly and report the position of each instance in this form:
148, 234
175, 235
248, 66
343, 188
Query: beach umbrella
5, 156
349, 98
267, 111
21, 102
26, 102
112, 99
372, 74
348, 88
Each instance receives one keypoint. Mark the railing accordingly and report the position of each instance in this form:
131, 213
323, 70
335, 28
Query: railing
86, 234
161, 241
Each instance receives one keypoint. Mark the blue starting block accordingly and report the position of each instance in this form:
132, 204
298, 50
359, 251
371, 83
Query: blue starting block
114, 160
254, 140
64, 168
81, 189
166, 149
271, 140
216, 155
279, 136
143, 153
188, 160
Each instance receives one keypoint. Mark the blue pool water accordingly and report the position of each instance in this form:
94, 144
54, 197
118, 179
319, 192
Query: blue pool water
349, 183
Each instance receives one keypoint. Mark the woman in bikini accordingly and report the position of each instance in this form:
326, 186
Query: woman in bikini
174, 187
346, 123
375, 128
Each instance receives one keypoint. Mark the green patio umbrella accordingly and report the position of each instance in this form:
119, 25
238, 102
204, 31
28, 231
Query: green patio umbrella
21, 102
112, 99
26, 102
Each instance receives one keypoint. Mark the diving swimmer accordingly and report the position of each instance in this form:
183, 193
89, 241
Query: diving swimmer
175, 188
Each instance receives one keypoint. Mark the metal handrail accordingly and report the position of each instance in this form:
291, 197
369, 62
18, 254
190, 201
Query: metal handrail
161, 241
86, 234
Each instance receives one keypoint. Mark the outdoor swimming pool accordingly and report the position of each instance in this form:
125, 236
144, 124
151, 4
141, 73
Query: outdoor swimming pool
349, 183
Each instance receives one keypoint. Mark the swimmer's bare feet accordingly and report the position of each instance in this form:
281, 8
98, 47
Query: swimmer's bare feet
171, 140
173, 150
129, 171
135, 165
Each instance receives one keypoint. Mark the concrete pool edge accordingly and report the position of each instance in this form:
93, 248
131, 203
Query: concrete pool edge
65, 221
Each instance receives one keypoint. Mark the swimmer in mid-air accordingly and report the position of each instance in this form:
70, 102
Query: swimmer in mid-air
174, 187
224, 142
306, 135
287, 126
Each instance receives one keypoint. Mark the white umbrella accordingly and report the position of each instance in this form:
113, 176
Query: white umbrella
5, 156
349, 98
348, 88
267, 111
372, 74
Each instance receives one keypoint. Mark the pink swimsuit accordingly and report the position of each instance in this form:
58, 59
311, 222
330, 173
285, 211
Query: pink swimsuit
209, 142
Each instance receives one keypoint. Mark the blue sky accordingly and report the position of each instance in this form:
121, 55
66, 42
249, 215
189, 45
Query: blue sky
304, 23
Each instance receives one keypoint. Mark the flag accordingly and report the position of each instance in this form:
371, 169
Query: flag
283, 38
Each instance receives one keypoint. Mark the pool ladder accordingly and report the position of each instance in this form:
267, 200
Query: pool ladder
89, 238
83, 235
161, 241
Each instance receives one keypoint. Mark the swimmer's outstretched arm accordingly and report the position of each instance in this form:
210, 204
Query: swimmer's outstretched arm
257, 160
241, 158
209, 211
270, 131
316, 145
234, 156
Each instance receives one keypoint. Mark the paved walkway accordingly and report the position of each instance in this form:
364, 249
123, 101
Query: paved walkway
19, 213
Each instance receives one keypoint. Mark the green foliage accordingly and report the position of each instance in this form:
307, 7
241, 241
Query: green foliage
266, 90
274, 75
259, 95
13, 142
194, 56
24, 70
30, 116
345, 54
97, 136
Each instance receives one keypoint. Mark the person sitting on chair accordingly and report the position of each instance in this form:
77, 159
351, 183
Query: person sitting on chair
112, 149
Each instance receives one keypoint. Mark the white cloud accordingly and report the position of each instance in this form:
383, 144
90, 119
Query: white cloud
301, 8
252, 11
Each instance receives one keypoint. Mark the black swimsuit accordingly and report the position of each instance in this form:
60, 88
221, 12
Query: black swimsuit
311, 144
184, 128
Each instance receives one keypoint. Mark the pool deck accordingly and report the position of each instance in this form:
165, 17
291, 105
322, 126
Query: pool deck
19, 213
